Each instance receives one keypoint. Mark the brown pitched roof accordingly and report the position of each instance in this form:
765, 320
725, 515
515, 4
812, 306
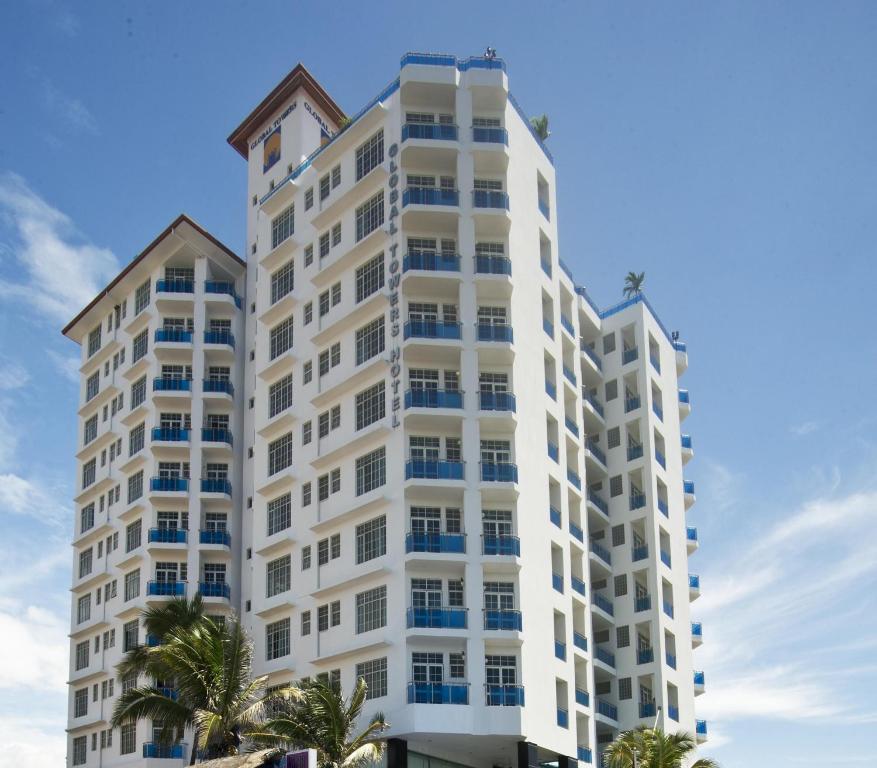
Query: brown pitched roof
298, 78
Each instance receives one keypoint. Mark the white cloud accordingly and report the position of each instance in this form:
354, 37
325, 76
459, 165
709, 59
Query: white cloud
20, 496
33, 650
31, 740
722, 486
71, 111
12, 374
67, 365
62, 272
805, 428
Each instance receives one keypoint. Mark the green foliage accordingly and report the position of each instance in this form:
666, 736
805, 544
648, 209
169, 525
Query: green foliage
633, 284
652, 748
540, 126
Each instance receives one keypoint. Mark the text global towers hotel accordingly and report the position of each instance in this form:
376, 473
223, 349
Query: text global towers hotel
399, 441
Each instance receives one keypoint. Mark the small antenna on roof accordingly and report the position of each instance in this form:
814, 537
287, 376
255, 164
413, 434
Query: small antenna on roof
490, 53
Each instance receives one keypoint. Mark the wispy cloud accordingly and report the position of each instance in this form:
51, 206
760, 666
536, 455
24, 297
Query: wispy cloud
62, 271
66, 22
805, 428
70, 110
30, 740
67, 365
13, 375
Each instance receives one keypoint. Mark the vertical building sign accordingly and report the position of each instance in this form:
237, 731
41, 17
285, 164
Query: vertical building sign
393, 286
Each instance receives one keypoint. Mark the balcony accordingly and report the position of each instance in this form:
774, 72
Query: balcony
699, 683
503, 544
169, 693
170, 435
554, 516
429, 131
582, 697
562, 718
431, 329
693, 586
551, 389
216, 435
637, 500
576, 532
593, 402
422, 469
663, 507
215, 485
166, 536
434, 398
546, 266
665, 558
673, 713
553, 451
645, 655
642, 604
569, 374
497, 401
490, 198
696, 633
452, 543
659, 457
493, 265
580, 641
600, 551
560, 650
599, 502
567, 325
574, 479
606, 709
629, 355
670, 658
631, 403
691, 538
578, 586
502, 619
688, 492
222, 538
700, 731
173, 336
584, 755
494, 332
226, 338
668, 608
169, 484
154, 750
175, 286
658, 411
152, 641
486, 135
504, 695
166, 588
431, 262
430, 196
436, 618
222, 287
557, 582
591, 354
656, 363
548, 327
634, 451
571, 425
218, 385
161, 384
214, 589
438, 693
647, 709
687, 449
499, 472
602, 603
595, 450
545, 209
684, 403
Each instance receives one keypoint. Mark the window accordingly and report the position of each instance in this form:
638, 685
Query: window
609, 343
141, 298
88, 472
335, 351
82, 655
133, 535
371, 609
309, 198
140, 346
277, 639
306, 557
306, 495
136, 439
371, 405
500, 670
86, 518
336, 294
89, 431
616, 486
325, 187
371, 471
613, 437
611, 389
323, 487
369, 215
280, 453
282, 281
282, 226
280, 338
324, 303
83, 609
132, 585
625, 690
307, 372
617, 535
374, 673
80, 745
280, 396
135, 486
336, 176
309, 255
324, 245
308, 313
336, 234
335, 613
370, 155
335, 417
279, 514
369, 277
278, 576
306, 433
370, 340
622, 637
92, 386
80, 703
85, 561
305, 623
138, 392
621, 585
371, 539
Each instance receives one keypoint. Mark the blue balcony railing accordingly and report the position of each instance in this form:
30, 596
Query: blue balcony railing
665, 558
168, 692
422, 469
548, 327
680, 346
562, 718
656, 363
606, 709
567, 325
577, 585
696, 629
218, 385
582, 697
700, 727
637, 500
668, 608
438, 693
574, 478
584, 755
647, 709
557, 582
645, 655
699, 678
167, 536
497, 401
684, 397
493, 265
658, 411
545, 209
431, 262
670, 658
219, 337
607, 657
546, 266
602, 603
673, 713
663, 507
216, 435
554, 515
214, 589
631, 403
166, 588
220, 537
152, 641
595, 450
560, 650
629, 355
569, 374
600, 551
435, 542
499, 472
502, 544
686, 441
431, 329
488, 135
152, 749
580, 641
437, 618
433, 398
571, 425
693, 581
591, 354
430, 131
173, 335
691, 533
170, 434
430, 196
553, 451
167, 384
642, 604
175, 286
592, 401
659, 457
688, 487
169, 484
222, 286
634, 451
551, 389
215, 485
504, 695
490, 198
576, 531
598, 501
502, 619
494, 332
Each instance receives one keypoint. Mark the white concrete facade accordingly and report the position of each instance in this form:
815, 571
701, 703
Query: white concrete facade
471, 538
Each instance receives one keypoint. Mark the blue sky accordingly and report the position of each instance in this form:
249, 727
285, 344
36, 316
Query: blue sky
726, 149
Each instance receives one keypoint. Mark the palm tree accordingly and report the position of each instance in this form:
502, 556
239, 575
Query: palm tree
633, 284
540, 126
652, 748
210, 667
320, 718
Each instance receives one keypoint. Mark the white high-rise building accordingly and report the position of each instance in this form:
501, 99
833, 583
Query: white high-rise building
400, 442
